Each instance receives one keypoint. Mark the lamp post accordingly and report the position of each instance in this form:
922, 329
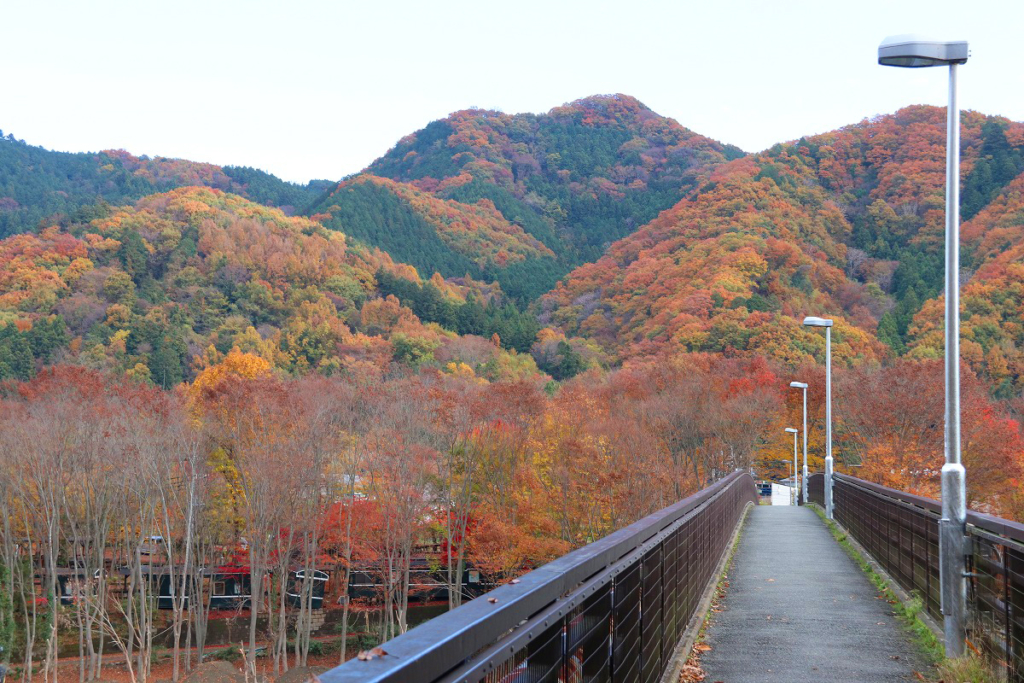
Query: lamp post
803, 385
811, 321
795, 476
915, 52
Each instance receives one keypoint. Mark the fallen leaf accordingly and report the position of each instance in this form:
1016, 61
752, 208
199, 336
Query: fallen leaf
691, 674
492, 600
701, 647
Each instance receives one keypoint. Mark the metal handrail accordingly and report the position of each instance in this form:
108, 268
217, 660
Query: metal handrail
1005, 528
481, 635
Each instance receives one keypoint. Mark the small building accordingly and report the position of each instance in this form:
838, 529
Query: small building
68, 581
227, 587
426, 582
318, 581
230, 586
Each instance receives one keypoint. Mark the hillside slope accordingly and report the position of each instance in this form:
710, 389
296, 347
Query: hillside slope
38, 186
440, 235
168, 286
992, 298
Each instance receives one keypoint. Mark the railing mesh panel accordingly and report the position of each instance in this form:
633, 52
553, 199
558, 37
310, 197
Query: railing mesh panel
630, 633
901, 532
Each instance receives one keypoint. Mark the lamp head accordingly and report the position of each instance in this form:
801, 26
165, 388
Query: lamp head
812, 321
791, 430
914, 51
798, 385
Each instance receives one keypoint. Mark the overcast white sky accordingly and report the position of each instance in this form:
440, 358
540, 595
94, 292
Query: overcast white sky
318, 89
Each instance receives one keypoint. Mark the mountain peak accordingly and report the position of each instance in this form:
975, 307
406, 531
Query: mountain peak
615, 109
609, 101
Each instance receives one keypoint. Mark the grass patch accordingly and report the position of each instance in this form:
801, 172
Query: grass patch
968, 669
971, 668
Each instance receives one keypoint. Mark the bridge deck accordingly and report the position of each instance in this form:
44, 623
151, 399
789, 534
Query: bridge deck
799, 609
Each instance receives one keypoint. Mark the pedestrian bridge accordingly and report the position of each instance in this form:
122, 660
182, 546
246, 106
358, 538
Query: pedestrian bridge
628, 607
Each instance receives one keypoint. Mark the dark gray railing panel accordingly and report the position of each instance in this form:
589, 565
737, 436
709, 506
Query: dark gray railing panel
816, 488
900, 530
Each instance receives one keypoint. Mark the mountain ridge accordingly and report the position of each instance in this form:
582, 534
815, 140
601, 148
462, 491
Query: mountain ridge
574, 178
693, 251
38, 185
867, 204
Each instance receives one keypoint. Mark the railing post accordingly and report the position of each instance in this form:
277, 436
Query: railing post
828, 489
952, 565
828, 423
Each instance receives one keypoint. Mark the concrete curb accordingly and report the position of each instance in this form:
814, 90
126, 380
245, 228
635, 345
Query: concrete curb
686, 643
901, 593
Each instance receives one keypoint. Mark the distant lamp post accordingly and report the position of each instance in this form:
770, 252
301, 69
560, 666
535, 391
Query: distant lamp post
795, 477
914, 52
803, 385
811, 321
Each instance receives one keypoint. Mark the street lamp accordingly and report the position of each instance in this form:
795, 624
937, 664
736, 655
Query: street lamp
795, 476
803, 385
811, 321
914, 52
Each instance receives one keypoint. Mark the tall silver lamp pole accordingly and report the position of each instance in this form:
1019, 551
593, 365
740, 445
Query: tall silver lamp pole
811, 321
795, 476
915, 52
803, 385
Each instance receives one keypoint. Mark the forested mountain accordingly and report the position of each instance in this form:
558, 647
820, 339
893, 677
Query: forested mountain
37, 185
847, 224
715, 252
575, 179
172, 284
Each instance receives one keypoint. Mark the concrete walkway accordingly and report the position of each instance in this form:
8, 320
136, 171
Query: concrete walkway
798, 609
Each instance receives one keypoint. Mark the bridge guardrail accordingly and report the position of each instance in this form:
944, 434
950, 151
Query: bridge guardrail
613, 610
901, 531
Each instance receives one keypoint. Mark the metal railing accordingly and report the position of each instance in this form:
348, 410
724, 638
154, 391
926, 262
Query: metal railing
612, 611
901, 532
816, 489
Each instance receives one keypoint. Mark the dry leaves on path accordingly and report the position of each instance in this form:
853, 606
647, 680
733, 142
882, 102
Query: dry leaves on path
691, 674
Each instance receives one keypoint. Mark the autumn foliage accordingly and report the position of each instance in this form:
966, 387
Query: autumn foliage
169, 286
404, 379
